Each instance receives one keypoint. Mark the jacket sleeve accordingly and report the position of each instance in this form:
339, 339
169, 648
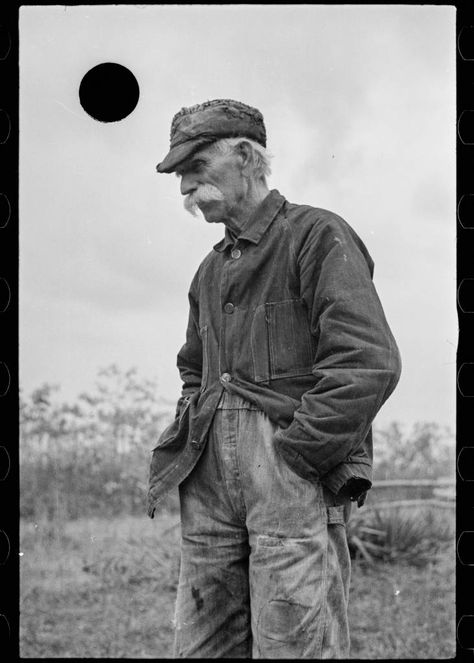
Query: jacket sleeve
356, 364
189, 359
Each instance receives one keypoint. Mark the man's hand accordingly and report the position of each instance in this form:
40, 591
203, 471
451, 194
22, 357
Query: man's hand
354, 489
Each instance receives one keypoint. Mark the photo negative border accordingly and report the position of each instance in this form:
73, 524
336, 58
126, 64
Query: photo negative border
9, 388
465, 307
9, 383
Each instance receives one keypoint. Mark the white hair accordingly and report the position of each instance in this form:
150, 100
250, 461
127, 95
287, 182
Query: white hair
204, 193
261, 158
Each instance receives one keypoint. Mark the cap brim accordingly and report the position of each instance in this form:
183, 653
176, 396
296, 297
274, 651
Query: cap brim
181, 152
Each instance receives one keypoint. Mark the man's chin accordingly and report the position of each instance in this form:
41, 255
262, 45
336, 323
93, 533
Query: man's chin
210, 212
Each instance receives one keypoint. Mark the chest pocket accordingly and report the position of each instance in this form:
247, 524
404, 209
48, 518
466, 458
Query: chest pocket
281, 341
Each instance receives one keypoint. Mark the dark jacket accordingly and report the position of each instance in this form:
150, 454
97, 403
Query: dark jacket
286, 316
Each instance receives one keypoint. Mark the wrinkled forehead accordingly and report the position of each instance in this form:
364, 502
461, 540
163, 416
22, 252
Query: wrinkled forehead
202, 156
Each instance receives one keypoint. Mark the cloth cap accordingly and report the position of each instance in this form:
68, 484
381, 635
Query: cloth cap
205, 123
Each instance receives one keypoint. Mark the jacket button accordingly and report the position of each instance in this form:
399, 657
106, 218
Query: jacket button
229, 308
226, 377
236, 253
195, 444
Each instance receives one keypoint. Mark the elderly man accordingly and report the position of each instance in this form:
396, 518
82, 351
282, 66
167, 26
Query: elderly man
288, 357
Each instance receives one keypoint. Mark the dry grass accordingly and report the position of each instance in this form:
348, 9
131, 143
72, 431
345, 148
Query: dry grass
105, 588
98, 588
401, 611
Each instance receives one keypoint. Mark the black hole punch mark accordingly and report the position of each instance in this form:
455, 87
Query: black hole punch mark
109, 92
5, 210
466, 42
4, 379
5, 295
4, 629
466, 211
5, 126
466, 379
465, 548
5, 42
466, 295
466, 127
4, 547
465, 464
465, 631
4, 463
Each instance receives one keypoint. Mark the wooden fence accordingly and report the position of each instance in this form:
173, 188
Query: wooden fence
408, 493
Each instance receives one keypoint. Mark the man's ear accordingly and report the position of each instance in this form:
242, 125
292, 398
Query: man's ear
245, 151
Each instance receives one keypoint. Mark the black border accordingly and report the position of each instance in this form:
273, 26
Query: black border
9, 400
465, 353
9, 403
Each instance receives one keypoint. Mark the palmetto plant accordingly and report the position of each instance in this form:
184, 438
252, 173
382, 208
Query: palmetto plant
395, 535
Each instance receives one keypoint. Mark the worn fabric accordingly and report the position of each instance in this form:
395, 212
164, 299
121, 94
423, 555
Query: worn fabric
202, 124
287, 316
265, 566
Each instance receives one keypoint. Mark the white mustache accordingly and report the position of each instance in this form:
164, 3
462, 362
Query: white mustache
204, 194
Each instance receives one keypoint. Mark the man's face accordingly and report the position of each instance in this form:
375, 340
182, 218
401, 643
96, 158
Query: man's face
213, 182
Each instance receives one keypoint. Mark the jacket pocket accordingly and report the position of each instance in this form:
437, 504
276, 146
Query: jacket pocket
205, 357
281, 340
168, 435
259, 345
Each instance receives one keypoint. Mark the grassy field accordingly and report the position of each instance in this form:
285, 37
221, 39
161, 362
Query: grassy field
105, 588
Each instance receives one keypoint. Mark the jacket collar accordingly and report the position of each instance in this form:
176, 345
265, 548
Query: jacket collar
258, 223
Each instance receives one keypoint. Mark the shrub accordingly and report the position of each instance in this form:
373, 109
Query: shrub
91, 457
427, 451
389, 535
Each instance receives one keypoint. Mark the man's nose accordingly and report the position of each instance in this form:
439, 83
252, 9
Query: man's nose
187, 185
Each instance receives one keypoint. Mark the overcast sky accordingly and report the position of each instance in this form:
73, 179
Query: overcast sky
359, 106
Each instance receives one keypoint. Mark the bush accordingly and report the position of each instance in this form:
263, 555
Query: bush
427, 451
91, 457
416, 537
